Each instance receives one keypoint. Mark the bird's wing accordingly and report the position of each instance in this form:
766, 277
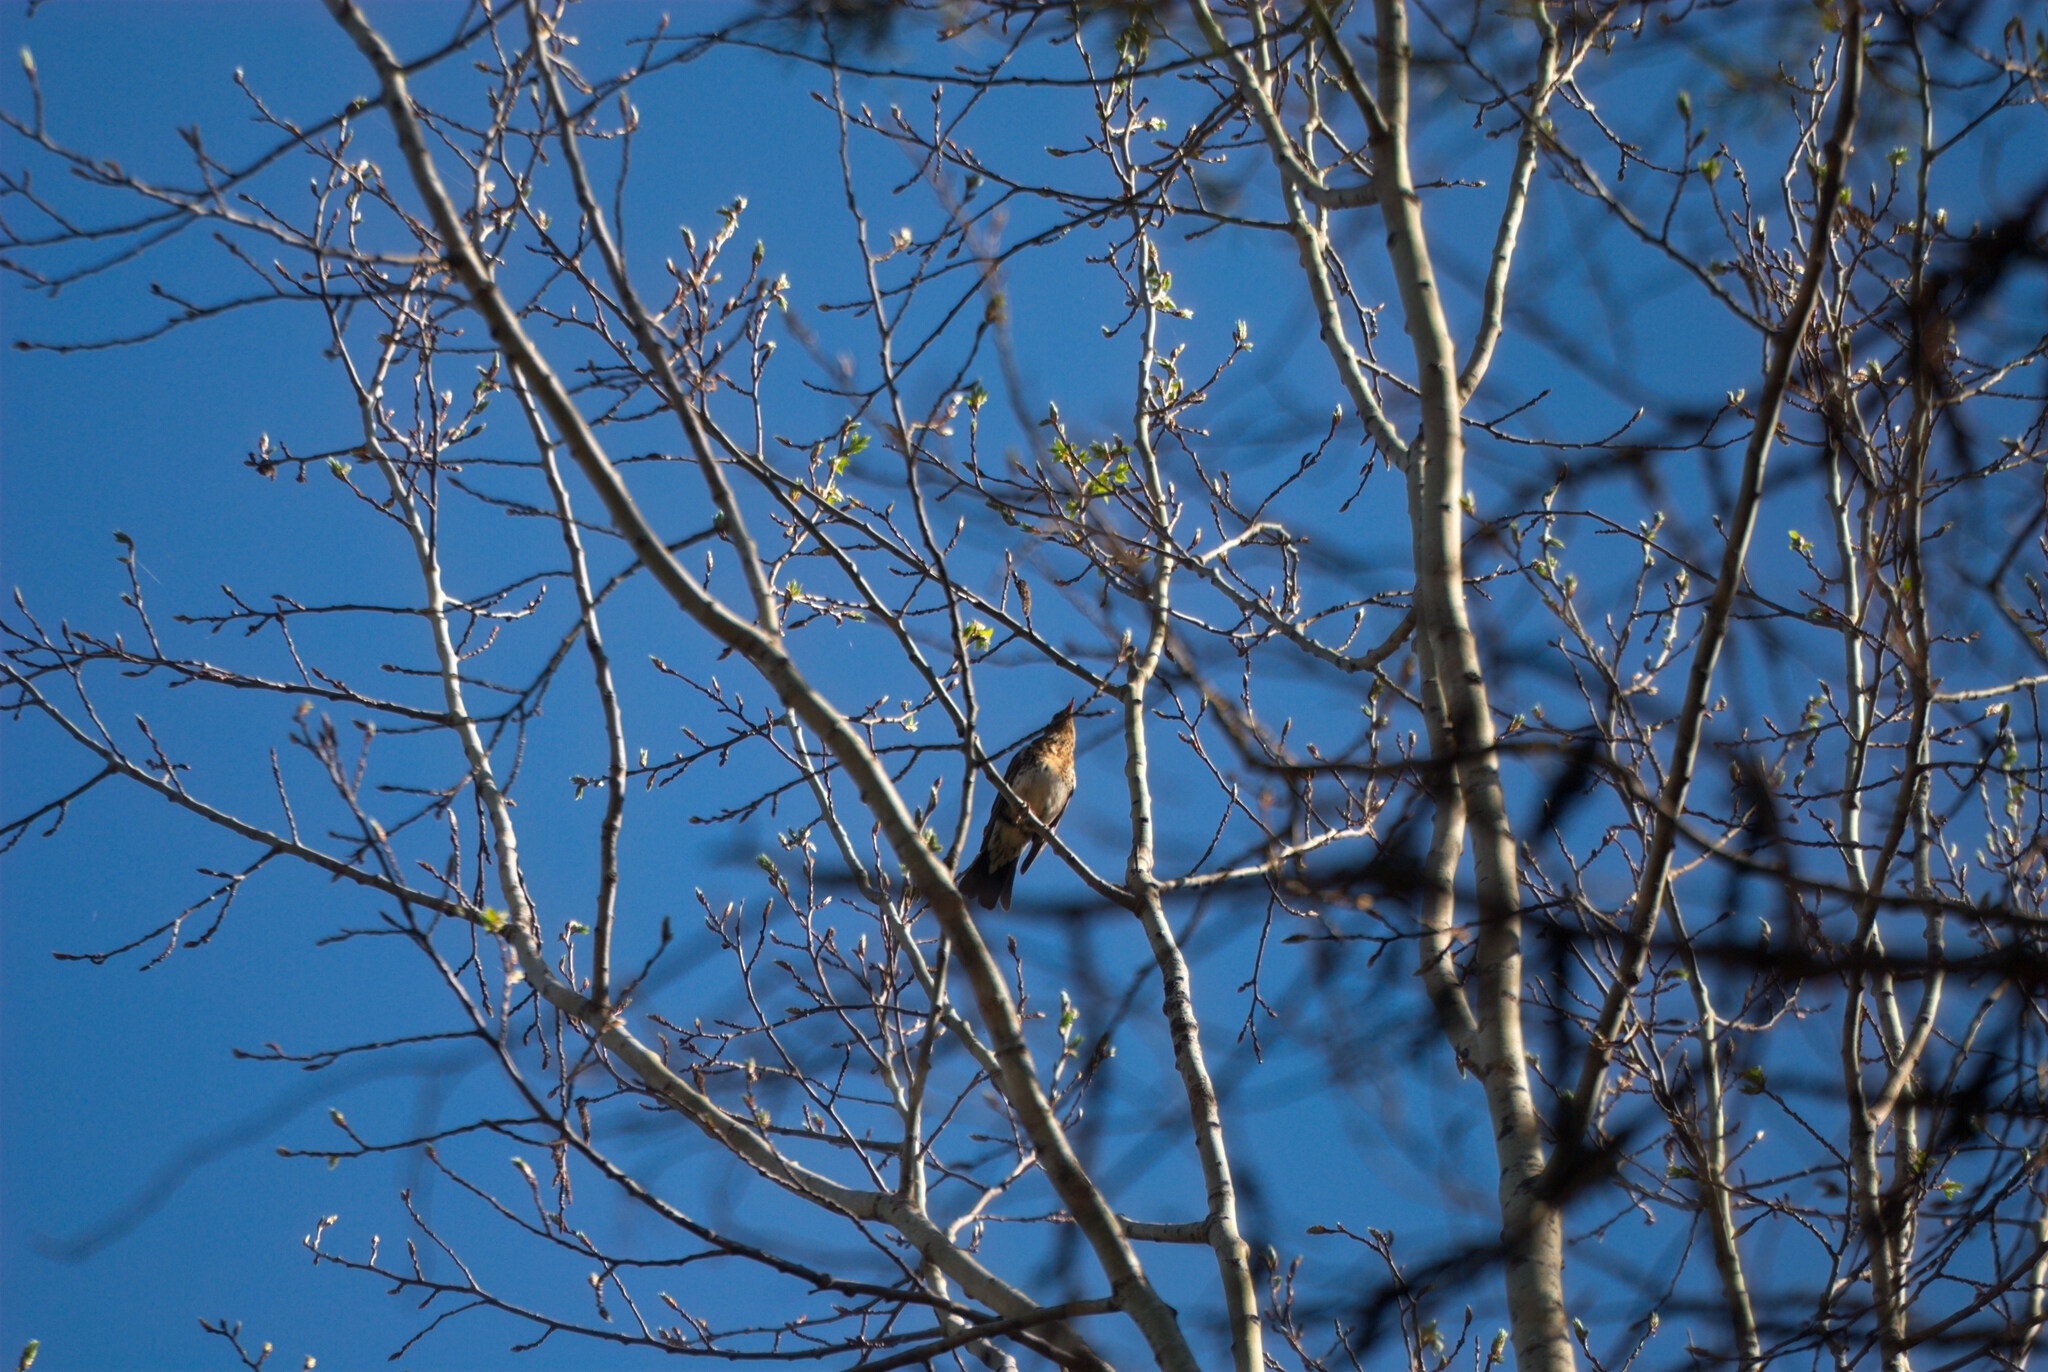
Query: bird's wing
1002, 837
1022, 761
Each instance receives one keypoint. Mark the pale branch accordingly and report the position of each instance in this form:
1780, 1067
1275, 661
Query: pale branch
1713, 632
1531, 1219
761, 649
608, 705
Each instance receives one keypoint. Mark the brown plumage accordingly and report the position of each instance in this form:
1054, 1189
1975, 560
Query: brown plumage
1042, 775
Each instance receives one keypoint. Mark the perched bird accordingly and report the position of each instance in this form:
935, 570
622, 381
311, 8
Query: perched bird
1042, 775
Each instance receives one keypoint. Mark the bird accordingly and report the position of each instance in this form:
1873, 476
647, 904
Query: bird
1042, 775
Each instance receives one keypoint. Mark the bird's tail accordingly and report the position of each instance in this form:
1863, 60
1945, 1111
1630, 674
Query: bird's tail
984, 887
